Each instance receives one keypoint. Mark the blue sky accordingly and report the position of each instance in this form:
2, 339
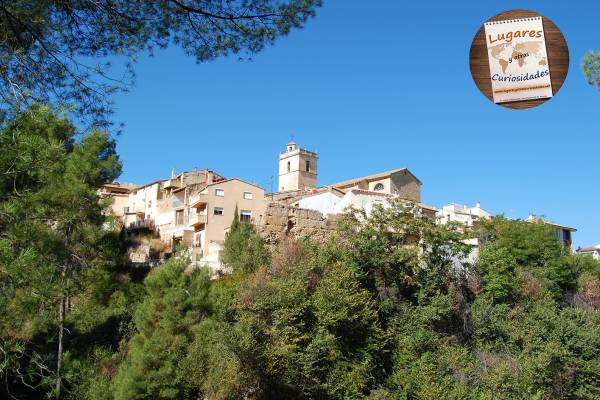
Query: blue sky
374, 86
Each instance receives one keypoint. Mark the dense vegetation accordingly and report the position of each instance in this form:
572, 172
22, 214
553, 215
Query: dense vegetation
388, 308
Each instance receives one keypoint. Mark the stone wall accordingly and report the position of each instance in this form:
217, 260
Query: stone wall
139, 254
281, 220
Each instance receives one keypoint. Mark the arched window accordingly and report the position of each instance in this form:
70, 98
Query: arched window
379, 186
288, 166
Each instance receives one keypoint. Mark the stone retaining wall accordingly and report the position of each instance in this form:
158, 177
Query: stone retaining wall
281, 220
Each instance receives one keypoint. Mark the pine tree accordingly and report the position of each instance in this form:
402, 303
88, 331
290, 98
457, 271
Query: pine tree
243, 250
235, 224
51, 238
55, 41
175, 302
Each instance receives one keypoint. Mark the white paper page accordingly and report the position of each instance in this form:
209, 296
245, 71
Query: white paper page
519, 66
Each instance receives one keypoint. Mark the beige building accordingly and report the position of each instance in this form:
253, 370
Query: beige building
563, 233
119, 193
297, 168
398, 182
212, 211
298, 180
194, 209
162, 206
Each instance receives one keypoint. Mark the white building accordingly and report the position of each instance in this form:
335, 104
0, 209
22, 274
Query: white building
593, 251
462, 214
326, 202
336, 201
466, 216
361, 199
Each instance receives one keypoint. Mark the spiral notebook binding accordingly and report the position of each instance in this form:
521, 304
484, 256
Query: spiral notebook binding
507, 21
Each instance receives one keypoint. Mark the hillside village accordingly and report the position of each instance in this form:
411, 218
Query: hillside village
196, 208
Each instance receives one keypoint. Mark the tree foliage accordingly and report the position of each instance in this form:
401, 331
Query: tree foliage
175, 302
243, 250
306, 332
391, 308
400, 254
55, 257
57, 51
591, 68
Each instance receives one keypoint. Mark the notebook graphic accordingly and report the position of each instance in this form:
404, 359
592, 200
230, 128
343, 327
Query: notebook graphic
519, 66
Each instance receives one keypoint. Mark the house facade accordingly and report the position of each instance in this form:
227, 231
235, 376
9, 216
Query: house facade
212, 211
162, 206
398, 182
193, 209
119, 195
592, 251
335, 201
562, 232
325, 201
462, 214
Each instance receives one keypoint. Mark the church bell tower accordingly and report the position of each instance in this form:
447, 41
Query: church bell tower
297, 168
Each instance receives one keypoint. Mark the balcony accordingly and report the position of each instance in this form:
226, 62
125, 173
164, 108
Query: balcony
197, 220
198, 200
172, 183
133, 222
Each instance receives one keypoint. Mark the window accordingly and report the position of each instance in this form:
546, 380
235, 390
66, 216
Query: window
248, 195
219, 192
179, 217
379, 186
125, 210
150, 204
307, 165
288, 165
245, 216
218, 211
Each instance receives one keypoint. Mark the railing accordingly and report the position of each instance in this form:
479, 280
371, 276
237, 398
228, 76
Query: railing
197, 219
141, 224
172, 183
196, 200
